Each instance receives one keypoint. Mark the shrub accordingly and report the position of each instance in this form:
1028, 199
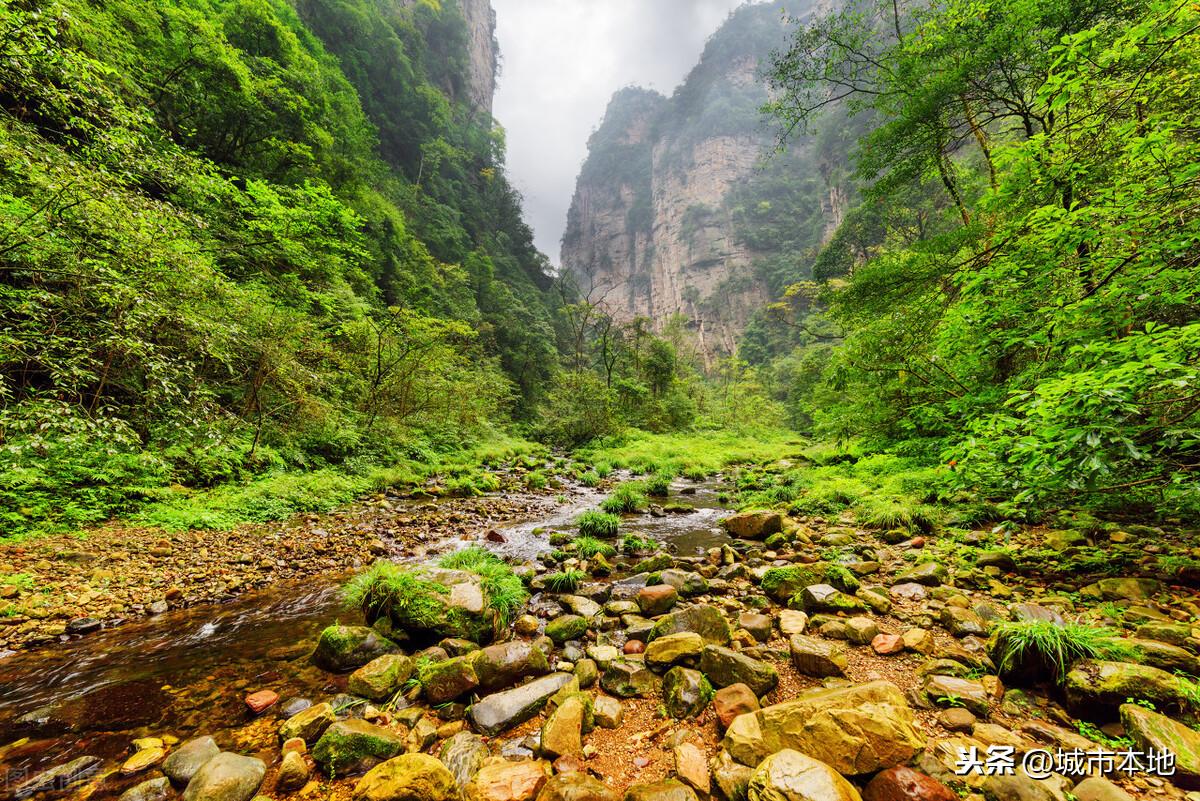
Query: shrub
598, 524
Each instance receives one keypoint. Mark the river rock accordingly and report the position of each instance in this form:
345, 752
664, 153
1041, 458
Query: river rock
566, 627
466, 613
293, 772
607, 712
575, 787
226, 777
181, 765
507, 781
668, 650
380, 678
449, 679
826, 598
928, 574
688, 582
963, 622
1152, 730
562, 733
792, 621
971, 694
463, 754
504, 664
353, 746
729, 702
657, 599
816, 657
792, 776
724, 667
411, 777
666, 790
1098, 788
1091, 684
702, 619
731, 778
307, 724
502, 710
150, 790
1123, 589
857, 730
905, 784
626, 678
753, 525
686, 692
59, 777
142, 759
343, 648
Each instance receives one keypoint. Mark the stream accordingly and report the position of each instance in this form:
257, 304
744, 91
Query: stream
188, 671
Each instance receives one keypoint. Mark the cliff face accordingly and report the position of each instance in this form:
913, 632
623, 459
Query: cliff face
668, 204
482, 51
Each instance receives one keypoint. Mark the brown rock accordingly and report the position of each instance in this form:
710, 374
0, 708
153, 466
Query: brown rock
261, 701
692, 768
905, 784
634, 647
507, 781
656, 599
734, 700
887, 644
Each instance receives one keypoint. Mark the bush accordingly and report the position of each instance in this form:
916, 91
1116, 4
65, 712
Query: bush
598, 524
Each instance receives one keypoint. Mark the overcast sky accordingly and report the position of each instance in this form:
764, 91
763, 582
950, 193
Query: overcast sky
561, 60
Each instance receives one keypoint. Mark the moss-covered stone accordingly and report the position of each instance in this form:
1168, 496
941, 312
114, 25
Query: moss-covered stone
707, 621
1151, 730
343, 648
781, 583
566, 627
686, 692
447, 680
380, 678
351, 746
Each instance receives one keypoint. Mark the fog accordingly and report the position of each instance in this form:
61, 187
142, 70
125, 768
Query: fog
561, 62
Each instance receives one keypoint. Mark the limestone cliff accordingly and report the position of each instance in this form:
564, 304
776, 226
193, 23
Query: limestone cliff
675, 207
482, 51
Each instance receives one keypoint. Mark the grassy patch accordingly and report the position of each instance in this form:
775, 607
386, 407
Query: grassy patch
632, 543
387, 586
587, 547
503, 588
598, 524
565, 580
697, 453
625, 499
659, 484
1043, 649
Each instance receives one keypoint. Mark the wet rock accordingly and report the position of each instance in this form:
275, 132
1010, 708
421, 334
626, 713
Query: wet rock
353, 746
963, 622
633, 647
905, 784
293, 706
671, 649
666, 790
657, 599
143, 759
861, 630
59, 777
507, 781
499, 711
308, 724
608, 712
181, 765
792, 776
826, 598
380, 678
575, 787
83, 625
1122, 589
950, 689
626, 678
856, 730
293, 772
759, 625
445, 681
343, 648
928, 574
707, 621
463, 754
526, 625
1092, 684
729, 702
502, 665
817, 657
226, 777
753, 525
1151, 730
724, 667
1097, 788
411, 777
686, 692
688, 583
566, 627
584, 607
562, 733
261, 701
731, 778
887, 644
150, 790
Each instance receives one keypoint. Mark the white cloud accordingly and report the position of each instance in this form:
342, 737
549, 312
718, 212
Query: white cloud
561, 62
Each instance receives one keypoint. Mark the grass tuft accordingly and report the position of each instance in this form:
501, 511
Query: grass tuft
587, 547
504, 589
1036, 649
625, 499
565, 580
598, 524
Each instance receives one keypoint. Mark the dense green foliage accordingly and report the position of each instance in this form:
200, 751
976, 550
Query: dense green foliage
240, 236
1017, 291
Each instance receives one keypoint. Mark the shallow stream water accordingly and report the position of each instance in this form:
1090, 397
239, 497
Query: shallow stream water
187, 672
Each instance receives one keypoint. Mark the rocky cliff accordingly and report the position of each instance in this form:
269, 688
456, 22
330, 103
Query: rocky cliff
482, 51
676, 206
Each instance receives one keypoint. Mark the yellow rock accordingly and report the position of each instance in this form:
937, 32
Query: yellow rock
142, 743
146, 758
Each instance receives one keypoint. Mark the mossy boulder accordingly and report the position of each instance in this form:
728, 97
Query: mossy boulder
504, 664
307, 724
344, 648
753, 525
411, 777
1093, 685
826, 598
1122, 589
446, 680
668, 650
1151, 730
380, 678
686, 692
626, 678
354, 746
566, 627
707, 621
781, 583
428, 603
724, 667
